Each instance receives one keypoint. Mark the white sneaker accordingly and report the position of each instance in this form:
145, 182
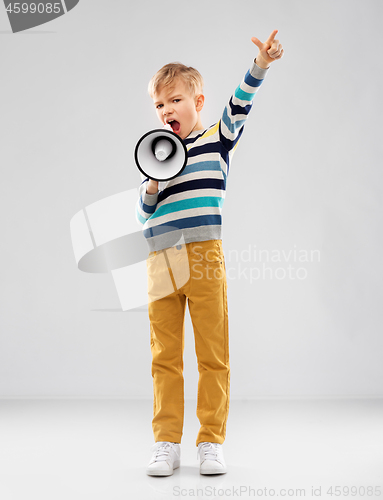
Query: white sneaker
211, 458
165, 458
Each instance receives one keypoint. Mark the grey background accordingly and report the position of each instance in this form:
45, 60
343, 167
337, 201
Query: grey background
306, 175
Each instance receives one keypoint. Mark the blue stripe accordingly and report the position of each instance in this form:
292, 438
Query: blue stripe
190, 186
242, 95
236, 109
224, 175
252, 81
232, 126
199, 220
211, 147
224, 154
217, 146
227, 143
149, 209
140, 218
202, 166
197, 202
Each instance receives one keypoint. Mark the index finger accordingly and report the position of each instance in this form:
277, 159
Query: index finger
271, 37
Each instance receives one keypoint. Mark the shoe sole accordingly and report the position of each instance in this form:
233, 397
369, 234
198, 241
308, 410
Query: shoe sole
212, 471
163, 472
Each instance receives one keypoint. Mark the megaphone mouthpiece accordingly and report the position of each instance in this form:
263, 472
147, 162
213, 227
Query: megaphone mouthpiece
163, 149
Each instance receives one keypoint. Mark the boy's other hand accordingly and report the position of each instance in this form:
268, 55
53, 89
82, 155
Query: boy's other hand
152, 187
269, 51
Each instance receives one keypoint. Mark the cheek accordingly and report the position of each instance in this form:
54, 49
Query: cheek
189, 112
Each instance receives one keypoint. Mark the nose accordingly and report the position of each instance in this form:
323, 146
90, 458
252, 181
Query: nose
167, 109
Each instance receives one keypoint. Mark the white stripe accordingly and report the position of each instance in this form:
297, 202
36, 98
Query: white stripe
240, 102
236, 118
202, 174
141, 191
201, 141
226, 132
195, 193
224, 165
182, 214
203, 157
248, 88
144, 214
209, 157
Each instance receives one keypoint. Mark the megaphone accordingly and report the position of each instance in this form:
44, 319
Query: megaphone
160, 154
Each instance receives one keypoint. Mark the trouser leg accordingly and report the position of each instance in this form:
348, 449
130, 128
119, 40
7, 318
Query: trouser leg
167, 334
209, 313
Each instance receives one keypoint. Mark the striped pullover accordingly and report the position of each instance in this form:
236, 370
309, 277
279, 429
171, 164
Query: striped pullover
188, 208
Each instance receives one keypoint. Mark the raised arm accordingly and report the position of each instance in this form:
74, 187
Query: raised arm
240, 103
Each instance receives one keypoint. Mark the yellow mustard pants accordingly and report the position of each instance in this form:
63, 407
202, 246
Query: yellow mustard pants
194, 272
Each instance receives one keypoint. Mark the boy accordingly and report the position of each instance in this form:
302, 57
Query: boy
182, 224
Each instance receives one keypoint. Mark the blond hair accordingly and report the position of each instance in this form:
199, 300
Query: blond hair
168, 73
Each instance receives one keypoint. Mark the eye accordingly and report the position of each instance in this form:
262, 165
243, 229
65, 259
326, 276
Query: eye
158, 106
176, 100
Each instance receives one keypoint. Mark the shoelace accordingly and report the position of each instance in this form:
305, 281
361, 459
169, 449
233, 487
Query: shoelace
162, 450
210, 450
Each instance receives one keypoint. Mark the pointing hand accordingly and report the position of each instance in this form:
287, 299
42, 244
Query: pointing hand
269, 51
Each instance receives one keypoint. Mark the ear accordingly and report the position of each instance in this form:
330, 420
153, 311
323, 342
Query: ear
199, 102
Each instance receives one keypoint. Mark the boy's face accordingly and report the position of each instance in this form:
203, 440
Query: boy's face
175, 102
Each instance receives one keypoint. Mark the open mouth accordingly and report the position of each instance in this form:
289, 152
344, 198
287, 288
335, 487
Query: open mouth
175, 125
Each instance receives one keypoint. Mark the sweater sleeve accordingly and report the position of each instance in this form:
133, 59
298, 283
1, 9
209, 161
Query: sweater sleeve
146, 203
238, 108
